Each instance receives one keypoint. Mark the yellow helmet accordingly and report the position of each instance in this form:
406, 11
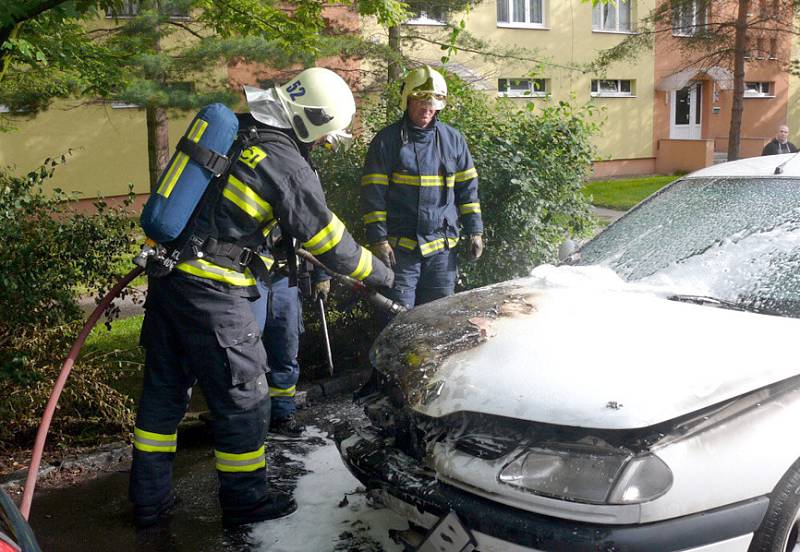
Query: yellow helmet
318, 102
424, 83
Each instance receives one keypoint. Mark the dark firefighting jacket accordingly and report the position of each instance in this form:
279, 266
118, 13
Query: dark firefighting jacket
417, 185
271, 182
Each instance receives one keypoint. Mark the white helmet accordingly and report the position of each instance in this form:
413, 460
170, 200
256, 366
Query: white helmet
318, 102
424, 83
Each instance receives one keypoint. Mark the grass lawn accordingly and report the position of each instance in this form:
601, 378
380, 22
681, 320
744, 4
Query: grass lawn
119, 349
123, 336
622, 194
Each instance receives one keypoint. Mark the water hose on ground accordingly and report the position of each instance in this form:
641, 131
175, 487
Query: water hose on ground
44, 426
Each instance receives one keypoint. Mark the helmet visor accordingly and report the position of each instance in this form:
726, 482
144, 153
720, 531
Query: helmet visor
437, 100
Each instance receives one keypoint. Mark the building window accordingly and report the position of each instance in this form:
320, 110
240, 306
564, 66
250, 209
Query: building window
124, 105
773, 48
688, 17
520, 13
612, 88
522, 88
429, 15
759, 90
130, 8
126, 8
612, 17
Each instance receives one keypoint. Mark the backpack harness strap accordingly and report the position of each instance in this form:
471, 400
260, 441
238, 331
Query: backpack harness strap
208, 159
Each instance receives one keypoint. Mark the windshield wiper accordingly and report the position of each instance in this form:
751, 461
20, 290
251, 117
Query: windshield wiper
708, 300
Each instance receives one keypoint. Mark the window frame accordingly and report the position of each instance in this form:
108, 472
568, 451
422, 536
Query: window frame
543, 93
699, 17
631, 93
761, 93
131, 10
616, 5
527, 24
422, 18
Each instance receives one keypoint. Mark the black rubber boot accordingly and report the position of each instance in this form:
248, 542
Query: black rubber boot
288, 428
147, 516
275, 505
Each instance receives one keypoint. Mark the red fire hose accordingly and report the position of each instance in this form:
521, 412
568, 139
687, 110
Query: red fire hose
44, 426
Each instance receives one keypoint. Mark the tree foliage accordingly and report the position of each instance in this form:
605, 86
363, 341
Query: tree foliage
54, 48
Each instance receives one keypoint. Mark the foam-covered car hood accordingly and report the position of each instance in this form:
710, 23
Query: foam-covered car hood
611, 358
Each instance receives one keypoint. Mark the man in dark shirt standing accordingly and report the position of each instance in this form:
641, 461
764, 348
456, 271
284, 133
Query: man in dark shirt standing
780, 144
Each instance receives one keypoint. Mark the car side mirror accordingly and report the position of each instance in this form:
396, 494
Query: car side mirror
567, 248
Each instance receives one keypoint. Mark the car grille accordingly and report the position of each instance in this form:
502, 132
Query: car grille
486, 448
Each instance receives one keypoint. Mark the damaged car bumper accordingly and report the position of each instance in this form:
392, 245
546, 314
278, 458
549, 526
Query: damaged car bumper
412, 489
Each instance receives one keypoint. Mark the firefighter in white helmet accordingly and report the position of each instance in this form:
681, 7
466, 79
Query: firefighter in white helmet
199, 326
419, 190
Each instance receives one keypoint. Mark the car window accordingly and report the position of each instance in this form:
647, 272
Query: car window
736, 239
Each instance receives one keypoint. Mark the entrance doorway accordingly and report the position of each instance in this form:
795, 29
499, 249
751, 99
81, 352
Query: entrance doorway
685, 121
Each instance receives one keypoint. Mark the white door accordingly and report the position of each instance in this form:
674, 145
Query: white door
685, 121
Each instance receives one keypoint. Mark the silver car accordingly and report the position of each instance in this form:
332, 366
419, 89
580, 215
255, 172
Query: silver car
643, 396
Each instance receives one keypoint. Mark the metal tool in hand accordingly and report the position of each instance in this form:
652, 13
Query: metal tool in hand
324, 323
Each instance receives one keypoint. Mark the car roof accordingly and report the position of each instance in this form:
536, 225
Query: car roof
754, 166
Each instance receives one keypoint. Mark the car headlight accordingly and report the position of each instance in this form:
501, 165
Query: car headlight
593, 476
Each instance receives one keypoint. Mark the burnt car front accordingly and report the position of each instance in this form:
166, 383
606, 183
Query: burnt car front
636, 400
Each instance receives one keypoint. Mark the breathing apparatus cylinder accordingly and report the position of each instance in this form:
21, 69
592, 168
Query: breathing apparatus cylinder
199, 157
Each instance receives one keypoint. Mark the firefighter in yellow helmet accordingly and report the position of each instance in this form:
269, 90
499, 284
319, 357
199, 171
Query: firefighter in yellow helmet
419, 191
199, 327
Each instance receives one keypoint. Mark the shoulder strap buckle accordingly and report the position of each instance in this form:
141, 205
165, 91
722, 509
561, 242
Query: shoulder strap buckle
208, 159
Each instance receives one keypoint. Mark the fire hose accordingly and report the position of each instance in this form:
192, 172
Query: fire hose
44, 426
359, 288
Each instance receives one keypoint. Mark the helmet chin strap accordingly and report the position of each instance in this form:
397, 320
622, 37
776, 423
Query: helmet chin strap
265, 107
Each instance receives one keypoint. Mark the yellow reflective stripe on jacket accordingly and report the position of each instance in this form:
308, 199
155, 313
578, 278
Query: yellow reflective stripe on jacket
421, 180
181, 159
247, 200
467, 208
244, 462
268, 261
405, 243
327, 238
468, 174
268, 227
147, 441
436, 245
205, 269
364, 267
375, 216
278, 392
375, 178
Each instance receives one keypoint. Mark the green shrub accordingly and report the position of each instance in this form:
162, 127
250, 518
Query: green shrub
50, 254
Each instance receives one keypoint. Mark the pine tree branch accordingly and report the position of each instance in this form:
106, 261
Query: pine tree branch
186, 28
491, 53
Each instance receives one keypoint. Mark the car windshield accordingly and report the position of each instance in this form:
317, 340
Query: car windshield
736, 240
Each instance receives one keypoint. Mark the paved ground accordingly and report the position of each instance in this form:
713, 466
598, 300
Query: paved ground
94, 515
131, 305
608, 215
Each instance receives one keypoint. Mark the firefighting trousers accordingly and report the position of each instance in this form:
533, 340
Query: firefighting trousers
193, 333
419, 280
279, 312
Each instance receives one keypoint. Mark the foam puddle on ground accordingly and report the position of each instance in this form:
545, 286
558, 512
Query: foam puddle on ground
322, 522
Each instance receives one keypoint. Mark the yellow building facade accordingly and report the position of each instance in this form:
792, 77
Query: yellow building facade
558, 39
